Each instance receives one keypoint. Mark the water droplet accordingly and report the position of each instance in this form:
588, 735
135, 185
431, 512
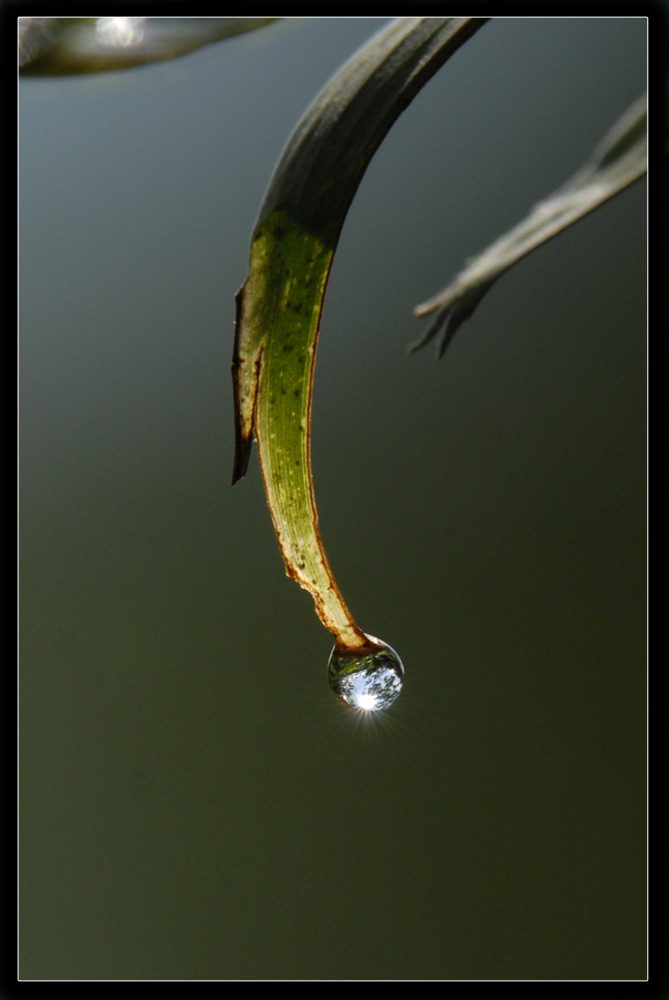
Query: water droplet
368, 681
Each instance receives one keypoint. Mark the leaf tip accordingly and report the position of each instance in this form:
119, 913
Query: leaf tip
242, 455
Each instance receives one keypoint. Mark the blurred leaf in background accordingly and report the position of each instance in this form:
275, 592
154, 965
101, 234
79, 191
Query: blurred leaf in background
61, 46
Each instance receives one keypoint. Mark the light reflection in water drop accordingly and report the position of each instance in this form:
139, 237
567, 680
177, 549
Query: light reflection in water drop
369, 682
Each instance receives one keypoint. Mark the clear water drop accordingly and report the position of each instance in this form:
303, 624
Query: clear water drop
368, 681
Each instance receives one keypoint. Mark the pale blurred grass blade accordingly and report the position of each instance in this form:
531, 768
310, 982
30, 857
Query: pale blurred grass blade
618, 161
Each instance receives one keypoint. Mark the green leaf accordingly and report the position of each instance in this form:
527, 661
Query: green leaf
618, 161
62, 46
279, 307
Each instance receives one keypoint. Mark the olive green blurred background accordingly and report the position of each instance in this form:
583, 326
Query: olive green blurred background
194, 802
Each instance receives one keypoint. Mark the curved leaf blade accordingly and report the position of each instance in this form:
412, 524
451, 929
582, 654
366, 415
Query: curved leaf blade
279, 307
